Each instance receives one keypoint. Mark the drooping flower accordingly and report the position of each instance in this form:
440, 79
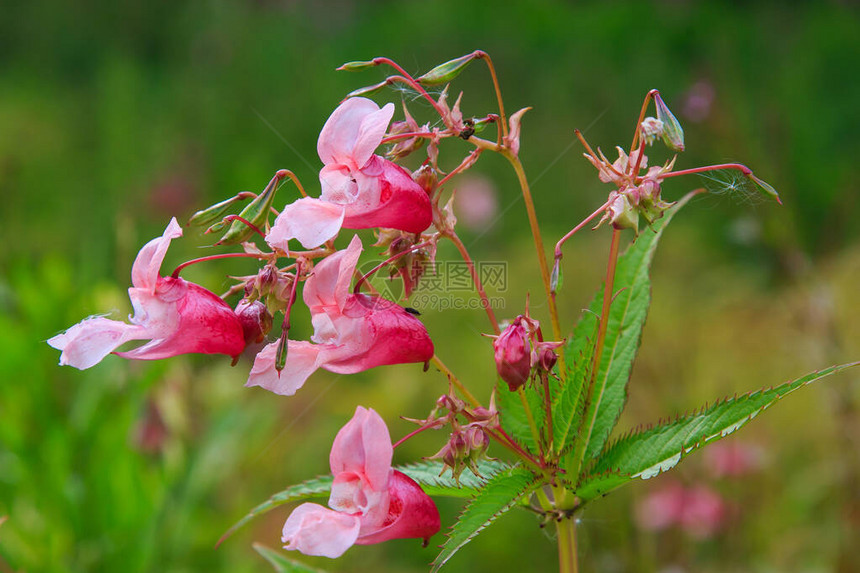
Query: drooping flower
370, 502
352, 332
176, 316
360, 190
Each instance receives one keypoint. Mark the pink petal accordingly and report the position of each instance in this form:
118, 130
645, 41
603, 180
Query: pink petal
370, 134
88, 342
339, 184
301, 363
329, 284
351, 493
206, 324
392, 200
353, 131
315, 530
363, 446
311, 221
411, 513
144, 271
660, 508
389, 335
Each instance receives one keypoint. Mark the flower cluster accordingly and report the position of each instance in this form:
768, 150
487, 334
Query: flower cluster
355, 330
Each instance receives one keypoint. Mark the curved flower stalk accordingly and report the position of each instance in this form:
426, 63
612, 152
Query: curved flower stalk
370, 501
177, 316
352, 332
360, 190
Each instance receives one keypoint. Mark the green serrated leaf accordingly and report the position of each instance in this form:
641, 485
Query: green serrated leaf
649, 452
427, 475
567, 407
312, 488
497, 497
281, 563
513, 416
627, 315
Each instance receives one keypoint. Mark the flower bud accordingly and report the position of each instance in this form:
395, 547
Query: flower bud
476, 440
212, 214
673, 133
426, 177
546, 358
556, 278
255, 320
513, 354
444, 73
621, 213
256, 213
765, 188
356, 66
367, 90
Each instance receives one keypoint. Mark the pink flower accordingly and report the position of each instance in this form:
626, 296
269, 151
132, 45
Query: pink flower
661, 508
733, 459
704, 512
370, 501
360, 190
352, 332
178, 317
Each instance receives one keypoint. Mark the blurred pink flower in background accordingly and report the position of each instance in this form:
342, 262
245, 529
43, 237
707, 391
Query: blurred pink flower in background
698, 101
733, 458
661, 508
699, 511
703, 512
370, 501
476, 202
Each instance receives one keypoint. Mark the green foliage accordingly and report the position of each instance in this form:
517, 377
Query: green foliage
627, 314
428, 474
496, 498
281, 563
513, 415
650, 452
435, 479
312, 488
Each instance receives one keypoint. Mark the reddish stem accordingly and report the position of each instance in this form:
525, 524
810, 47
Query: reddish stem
504, 124
411, 81
250, 225
485, 300
287, 173
175, 273
635, 172
280, 359
742, 168
648, 97
465, 164
505, 440
410, 435
563, 240
400, 136
387, 261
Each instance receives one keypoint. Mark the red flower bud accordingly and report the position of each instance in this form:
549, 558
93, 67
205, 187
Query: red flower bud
513, 354
255, 320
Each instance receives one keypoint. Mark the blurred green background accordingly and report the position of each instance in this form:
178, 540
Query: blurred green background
116, 116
